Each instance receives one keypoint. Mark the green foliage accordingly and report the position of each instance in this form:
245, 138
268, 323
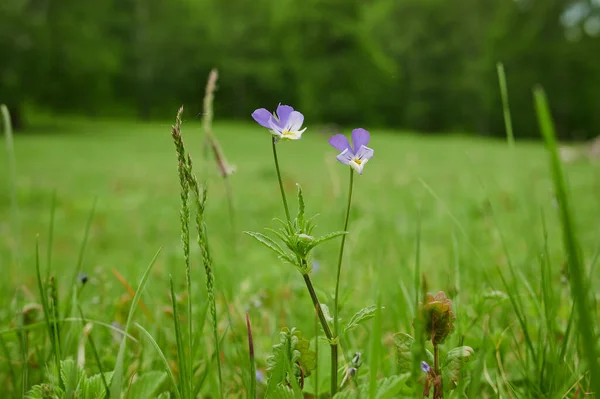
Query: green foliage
74, 383
359, 317
376, 62
452, 363
291, 362
387, 388
147, 385
296, 237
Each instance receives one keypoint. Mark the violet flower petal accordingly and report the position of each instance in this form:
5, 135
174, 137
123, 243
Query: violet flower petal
360, 137
340, 143
275, 128
262, 116
283, 114
345, 157
294, 122
364, 153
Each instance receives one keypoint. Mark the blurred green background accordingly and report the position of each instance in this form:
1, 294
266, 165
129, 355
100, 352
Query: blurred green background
427, 65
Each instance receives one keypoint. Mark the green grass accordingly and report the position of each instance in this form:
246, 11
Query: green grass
470, 202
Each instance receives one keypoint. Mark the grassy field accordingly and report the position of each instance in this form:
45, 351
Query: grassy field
471, 205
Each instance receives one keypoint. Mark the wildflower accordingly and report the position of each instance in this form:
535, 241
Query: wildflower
285, 124
356, 155
425, 367
83, 278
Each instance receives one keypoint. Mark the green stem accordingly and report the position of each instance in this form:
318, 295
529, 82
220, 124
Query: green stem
341, 256
285, 205
332, 342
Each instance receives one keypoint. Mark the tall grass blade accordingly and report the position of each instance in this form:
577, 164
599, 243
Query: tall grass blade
375, 351
9, 361
252, 393
579, 288
95, 353
82, 247
163, 358
224, 168
12, 171
117, 379
46, 309
185, 379
505, 104
50, 237
200, 202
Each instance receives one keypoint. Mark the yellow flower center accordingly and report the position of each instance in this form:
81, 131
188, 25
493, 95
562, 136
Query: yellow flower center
287, 133
357, 161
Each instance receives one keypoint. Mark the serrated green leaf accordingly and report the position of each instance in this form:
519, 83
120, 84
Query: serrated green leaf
94, 387
280, 392
267, 242
308, 357
452, 363
362, 315
326, 237
404, 356
72, 376
147, 385
277, 364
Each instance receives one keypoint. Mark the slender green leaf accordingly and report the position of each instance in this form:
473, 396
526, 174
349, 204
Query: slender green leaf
359, 317
117, 380
163, 358
579, 287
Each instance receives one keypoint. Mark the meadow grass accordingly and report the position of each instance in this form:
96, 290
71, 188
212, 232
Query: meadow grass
465, 215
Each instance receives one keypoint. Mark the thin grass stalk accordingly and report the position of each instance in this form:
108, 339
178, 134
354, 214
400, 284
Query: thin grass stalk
23, 344
53, 296
12, 171
95, 353
225, 169
375, 351
9, 361
579, 288
184, 216
46, 308
163, 358
505, 104
50, 237
117, 378
200, 201
184, 380
80, 256
252, 393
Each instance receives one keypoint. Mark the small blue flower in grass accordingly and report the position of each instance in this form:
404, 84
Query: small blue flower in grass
425, 367
285, 124
356, 155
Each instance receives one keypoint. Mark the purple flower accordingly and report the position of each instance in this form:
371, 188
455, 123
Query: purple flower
285, 124
356, 155
425, 367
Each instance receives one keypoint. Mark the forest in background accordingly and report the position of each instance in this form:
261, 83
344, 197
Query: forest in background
426, 65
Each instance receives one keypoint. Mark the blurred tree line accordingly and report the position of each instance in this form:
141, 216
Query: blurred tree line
420, 64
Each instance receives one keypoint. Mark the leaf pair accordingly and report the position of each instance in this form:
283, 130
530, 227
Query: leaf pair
297, 237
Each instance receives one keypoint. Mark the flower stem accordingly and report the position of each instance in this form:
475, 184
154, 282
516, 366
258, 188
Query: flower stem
332, 342
340, 257
285, 205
